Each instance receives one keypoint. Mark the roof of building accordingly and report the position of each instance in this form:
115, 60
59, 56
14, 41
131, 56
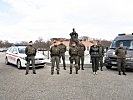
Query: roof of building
66, 43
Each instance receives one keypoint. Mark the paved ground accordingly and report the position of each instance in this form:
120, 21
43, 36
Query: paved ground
107, 85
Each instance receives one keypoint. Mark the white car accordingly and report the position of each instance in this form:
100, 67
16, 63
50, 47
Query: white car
16, 55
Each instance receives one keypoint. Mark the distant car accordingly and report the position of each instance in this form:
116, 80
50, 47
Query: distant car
3, 49
16, 55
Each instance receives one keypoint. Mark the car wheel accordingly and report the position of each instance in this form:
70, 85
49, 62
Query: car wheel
19, 64
6, 61
108, 67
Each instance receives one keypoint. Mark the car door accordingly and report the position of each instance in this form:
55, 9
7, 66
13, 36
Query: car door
14, 55
9, 54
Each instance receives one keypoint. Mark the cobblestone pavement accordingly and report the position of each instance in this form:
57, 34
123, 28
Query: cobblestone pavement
107, 85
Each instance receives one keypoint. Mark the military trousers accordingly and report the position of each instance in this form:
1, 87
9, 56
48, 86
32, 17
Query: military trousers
121, 64
63, 59
32, 60
101, 61
81, 61
74, 61
95, 63
55, 60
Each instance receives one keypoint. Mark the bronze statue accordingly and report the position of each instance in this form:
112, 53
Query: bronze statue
74, 37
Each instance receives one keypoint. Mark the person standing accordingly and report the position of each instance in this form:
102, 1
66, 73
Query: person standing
55, 55
101, 55
94, 53
62, 51
30, 51
121, 58
81, 49
73, 52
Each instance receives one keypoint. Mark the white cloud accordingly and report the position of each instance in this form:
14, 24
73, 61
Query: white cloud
56, 18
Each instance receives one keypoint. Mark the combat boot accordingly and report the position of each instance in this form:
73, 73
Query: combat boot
52, 72
58, 72
101, 69
124, 73
26, 73
119, 73
64, 68
70, 70
76, 70
82, 68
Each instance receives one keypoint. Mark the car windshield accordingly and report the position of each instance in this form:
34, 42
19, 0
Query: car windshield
127, 44
21, 50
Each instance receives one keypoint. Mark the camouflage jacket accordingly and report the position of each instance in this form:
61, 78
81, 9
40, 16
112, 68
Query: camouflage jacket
101, 50
62, 48
81, 49
121, 52
55, 51
73, 51
30, 51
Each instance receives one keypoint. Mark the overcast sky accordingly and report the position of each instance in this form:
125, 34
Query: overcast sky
24, 20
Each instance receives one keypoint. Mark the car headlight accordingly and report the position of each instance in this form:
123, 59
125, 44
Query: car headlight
129, 58
113, 53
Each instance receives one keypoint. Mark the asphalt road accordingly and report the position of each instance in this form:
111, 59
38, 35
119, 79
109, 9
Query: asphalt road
107, 85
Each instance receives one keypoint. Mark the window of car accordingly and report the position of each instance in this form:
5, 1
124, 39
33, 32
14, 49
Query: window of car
15, 51
21, 50
10, 49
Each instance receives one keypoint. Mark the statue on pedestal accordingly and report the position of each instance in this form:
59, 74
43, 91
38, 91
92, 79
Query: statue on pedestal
74, 37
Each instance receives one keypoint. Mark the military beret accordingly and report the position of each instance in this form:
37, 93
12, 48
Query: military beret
30, 41
54, 41
121, 43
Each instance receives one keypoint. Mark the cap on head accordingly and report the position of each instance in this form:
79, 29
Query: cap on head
61, 40
30, 41
99, 42
121, 43
54, 41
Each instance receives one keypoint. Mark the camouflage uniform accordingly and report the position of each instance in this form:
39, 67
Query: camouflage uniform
55, 55
81, 49
62, 55
121, 58
94, 52
73, 52
30, 51
101, 55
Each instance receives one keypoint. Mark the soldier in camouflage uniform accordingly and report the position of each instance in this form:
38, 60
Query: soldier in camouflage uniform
30, 51
101, 55
55, 55
121, 58
62, 51
81, 50
73, 52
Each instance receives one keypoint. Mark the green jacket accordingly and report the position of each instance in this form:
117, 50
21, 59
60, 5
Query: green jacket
62, 48
101, 50
81, 49
73, 51
55, 51
30, 51
121, 52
